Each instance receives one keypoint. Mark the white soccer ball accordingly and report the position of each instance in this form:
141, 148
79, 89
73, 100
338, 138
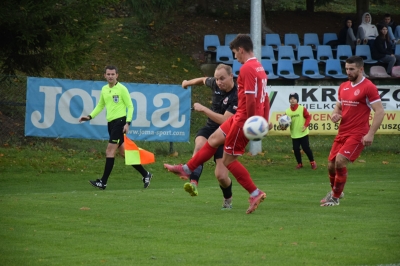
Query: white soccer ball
284, 121
255, 128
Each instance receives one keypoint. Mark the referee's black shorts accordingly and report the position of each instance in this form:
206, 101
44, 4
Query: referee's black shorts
206, 133
116, 130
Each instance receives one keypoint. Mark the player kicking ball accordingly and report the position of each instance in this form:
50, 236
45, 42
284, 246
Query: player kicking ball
252, 100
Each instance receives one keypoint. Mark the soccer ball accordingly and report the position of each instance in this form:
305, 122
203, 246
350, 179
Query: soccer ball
255, 128
284, 121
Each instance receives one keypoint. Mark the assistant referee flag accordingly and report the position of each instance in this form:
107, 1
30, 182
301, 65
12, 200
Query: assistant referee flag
135, 155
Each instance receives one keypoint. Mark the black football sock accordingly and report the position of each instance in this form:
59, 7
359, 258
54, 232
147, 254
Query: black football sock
227, 192
107, 169
195, 175
140, 169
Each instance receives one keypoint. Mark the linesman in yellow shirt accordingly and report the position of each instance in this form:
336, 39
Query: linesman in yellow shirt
115, 97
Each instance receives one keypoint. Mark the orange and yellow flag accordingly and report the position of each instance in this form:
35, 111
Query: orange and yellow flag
135, 155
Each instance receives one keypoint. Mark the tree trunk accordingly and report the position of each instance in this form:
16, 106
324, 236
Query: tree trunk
362, 7
265, 29
310, 6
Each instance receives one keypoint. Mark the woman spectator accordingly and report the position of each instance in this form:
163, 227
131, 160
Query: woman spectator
347, 34
382, 49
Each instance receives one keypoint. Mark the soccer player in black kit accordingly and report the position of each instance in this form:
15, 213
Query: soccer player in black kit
224, 104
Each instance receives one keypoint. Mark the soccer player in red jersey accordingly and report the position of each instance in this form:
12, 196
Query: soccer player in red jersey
252, 100
356, 97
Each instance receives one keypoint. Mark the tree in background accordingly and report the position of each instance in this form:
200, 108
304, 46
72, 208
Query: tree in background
155, 12
40, 34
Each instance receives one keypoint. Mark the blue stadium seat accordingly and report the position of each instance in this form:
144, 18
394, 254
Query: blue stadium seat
292, 39
364, 51
224, 55
324, 52
304, 52
311, 70
286, 52
269, 70
343, 52
228, 38
285, 69
312, 40
211, 42
273, 39
267, 52
236, 68
329, 36
334, 69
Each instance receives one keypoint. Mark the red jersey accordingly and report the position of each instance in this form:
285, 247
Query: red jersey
252, 79
355, 100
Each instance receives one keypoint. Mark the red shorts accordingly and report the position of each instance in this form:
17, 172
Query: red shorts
235, 142
348, 146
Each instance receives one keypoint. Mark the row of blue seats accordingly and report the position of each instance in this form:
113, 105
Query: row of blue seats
310, 68
323, 52
211, 41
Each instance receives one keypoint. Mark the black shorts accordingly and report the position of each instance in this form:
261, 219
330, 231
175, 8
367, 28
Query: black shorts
206, 133
116, 130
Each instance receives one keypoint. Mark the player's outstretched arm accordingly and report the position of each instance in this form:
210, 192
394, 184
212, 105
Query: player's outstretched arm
195, 81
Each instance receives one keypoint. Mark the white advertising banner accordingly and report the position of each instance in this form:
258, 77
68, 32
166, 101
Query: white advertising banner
320, 102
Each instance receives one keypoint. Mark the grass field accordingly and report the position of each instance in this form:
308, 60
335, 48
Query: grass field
50, 215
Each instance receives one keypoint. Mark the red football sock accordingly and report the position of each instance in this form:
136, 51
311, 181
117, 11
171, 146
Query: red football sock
340, 181
242, 176
332, 180
202, 156
332, 176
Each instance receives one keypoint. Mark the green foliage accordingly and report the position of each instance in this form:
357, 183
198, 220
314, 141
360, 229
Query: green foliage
155, 12
46, 33
140, 54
